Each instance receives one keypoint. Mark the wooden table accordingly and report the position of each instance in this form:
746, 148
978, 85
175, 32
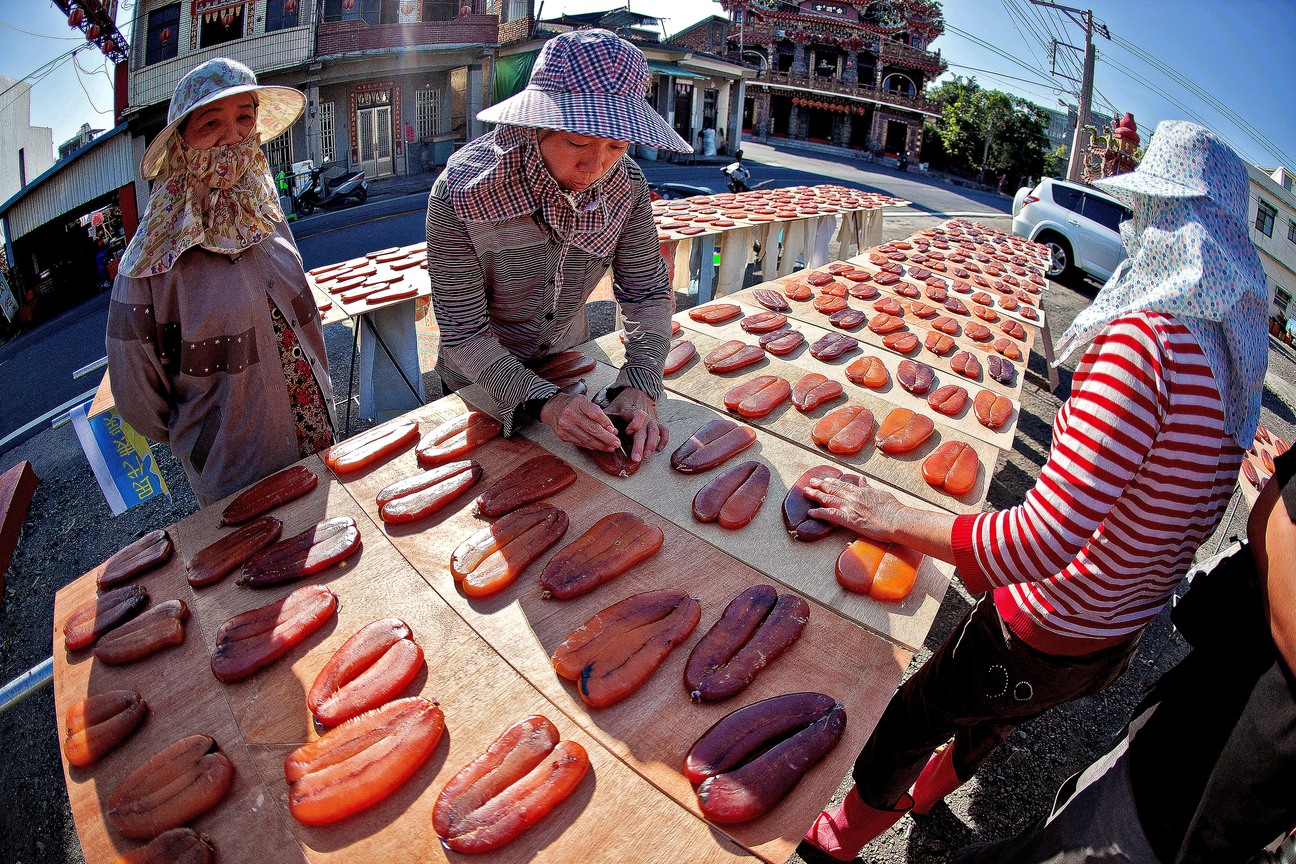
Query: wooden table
487, 666
409, 271
488, 660
782, 240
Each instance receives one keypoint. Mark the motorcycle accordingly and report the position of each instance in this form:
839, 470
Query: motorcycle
346, 187
738, 176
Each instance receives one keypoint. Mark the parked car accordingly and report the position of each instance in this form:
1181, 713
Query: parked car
1079, 224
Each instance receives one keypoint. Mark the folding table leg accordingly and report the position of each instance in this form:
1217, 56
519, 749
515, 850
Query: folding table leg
1046, 337
682, 280
735, 250
706, 268
794, 245
820, 232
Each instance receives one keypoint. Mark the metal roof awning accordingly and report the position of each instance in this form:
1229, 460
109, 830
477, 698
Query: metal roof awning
658, 67
97, 168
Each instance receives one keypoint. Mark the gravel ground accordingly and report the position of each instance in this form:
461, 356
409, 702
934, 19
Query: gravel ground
69, 530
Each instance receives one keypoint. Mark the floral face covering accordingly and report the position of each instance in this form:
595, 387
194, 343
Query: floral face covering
222, 199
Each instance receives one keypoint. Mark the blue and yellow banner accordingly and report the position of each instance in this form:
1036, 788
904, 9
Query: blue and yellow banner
120, 458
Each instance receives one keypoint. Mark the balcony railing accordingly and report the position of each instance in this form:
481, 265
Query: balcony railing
835, 87
905, 55
343, 37
269, 52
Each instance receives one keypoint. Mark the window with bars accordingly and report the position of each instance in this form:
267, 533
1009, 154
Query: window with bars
426, 102
1291, 231
1265, 215
281, 14
163, 38
328, 144
220, 25
279, 152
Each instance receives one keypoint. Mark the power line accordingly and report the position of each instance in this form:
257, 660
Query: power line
1205, 96
40, 35
999, 76
1004, 54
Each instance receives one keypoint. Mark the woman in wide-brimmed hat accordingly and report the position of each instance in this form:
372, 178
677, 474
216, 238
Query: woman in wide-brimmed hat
526, 220
214, 341
1145, 454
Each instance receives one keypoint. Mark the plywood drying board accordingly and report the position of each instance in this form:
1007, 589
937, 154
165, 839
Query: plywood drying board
259, 720
653, 728
965, 422
903, 472
764, 545
804, 311
954, 286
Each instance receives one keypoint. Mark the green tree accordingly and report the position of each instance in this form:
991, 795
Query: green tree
990, 135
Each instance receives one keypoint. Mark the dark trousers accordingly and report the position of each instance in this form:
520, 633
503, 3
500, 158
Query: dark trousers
977, 688
1213, 757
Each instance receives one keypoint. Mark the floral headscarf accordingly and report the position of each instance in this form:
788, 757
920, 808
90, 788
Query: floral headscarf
222, 199
1190, 258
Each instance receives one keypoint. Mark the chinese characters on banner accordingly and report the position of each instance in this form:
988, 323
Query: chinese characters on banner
120, 458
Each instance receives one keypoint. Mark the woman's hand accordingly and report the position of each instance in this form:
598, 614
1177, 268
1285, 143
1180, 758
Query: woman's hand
863, 509
640, 411
579, 421
878, 515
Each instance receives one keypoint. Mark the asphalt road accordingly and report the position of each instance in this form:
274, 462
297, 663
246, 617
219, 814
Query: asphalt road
36, 367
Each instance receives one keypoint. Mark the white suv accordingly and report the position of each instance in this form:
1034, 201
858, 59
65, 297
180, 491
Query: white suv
1079, 224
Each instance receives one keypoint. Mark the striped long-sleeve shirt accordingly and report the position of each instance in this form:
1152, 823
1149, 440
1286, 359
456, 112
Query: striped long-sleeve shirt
508, 288
1139, 473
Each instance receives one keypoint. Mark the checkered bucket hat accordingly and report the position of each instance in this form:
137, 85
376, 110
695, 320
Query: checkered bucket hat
590, 82
1185, 160
277, 107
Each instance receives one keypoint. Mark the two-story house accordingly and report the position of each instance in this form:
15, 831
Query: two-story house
848, 73
385, 80
1272, 216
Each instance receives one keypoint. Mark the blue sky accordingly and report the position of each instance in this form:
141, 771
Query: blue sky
1237, 54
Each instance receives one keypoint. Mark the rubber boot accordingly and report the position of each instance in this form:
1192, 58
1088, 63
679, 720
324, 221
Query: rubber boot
842, 833
936, 780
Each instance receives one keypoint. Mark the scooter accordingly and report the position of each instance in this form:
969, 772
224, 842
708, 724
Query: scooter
348, 187
737, 174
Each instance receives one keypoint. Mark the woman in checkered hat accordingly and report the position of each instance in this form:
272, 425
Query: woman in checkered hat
525, 221
214, 343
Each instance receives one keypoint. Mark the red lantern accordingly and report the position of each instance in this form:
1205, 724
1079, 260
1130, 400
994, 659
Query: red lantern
290, 5
165, 36
75, 17
109, 46
348, 4
465, 10
92, 32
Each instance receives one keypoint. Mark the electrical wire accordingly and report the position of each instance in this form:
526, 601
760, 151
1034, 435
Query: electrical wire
1205, 96
40, 35
999, 51
1013, 18
78, 69
999, 76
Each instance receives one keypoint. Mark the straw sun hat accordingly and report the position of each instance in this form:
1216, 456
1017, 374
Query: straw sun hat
590, 82
277, 107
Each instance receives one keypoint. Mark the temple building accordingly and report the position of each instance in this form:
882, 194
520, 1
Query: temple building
849, 74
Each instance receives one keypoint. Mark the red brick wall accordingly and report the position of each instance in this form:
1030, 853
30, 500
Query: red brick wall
695, 39
340, 37
515, 31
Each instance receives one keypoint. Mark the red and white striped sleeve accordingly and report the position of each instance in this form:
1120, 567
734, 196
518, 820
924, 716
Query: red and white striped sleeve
1100, 438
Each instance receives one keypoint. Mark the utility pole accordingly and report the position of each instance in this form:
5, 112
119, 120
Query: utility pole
1083, 17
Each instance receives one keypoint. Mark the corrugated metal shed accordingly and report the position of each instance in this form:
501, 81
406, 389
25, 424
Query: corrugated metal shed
96, 169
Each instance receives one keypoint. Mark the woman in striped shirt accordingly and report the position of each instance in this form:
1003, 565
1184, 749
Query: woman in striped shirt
525, 221
1145, 455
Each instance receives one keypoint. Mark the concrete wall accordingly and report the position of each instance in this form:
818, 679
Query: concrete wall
17, 133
